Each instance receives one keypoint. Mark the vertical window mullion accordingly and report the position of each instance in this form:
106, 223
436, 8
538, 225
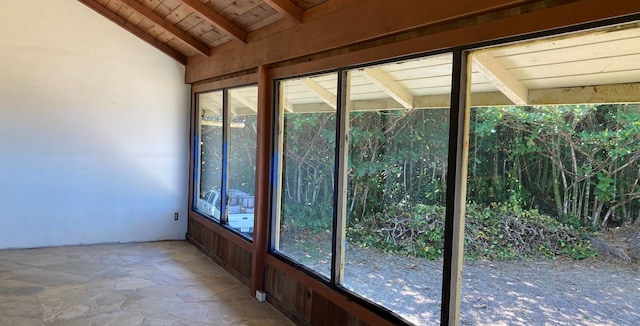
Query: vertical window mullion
456, 189
224, 195
197, 151
278, 157
340, 199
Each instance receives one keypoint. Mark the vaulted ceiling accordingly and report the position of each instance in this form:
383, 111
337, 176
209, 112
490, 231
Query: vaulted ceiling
184, 28
592, 66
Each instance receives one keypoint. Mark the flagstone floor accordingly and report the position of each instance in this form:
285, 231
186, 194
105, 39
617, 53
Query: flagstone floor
156, 283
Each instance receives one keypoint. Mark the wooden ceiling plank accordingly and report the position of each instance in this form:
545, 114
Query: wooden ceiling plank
237, 8
286, 8
263, 22
133, 29
389, 86
320, 91
200, 29
153, 4
158, 20
125, 12
114, 5
504, 80
178, 14
134, 18
255, 15
216, 19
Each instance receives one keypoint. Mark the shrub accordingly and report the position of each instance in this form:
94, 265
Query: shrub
496, 232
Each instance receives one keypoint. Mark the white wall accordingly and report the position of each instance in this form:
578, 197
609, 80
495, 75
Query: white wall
93, 130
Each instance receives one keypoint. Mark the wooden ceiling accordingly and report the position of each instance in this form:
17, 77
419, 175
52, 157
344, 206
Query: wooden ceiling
184, 28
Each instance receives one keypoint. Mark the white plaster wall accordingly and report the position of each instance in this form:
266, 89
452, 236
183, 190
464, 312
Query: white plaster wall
93, 130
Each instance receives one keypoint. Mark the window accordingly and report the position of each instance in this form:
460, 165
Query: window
553, 180
306, 197
210, 160
398, 127
361, 180
227, 157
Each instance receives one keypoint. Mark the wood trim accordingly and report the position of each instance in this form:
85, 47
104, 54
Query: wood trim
168, 27
456, 189
247, 79
341, 181
330, 294
376, 18
216, 20
263, 164
193, 150
135, 30
222, 231
435, 36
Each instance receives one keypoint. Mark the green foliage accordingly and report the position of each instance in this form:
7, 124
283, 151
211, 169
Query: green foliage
497, 232
539, 177
297, 215
577, 161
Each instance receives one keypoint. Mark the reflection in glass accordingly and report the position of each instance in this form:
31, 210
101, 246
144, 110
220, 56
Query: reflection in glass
243, 110
208, 188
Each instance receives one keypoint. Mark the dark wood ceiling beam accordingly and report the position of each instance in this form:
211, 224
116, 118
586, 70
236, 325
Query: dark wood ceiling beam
216, 19
168, 27
135, 30
286, 8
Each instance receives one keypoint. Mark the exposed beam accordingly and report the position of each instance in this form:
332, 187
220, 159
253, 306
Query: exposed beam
389, 86
287, 8
245, 101
599, 94
288, 106
320, 91
216, 19
135, 30
168, 27
504, 80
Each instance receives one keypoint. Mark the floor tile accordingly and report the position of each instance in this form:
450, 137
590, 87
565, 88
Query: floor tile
157, 283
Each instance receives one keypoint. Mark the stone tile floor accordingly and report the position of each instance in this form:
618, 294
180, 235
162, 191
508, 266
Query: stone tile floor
156, 283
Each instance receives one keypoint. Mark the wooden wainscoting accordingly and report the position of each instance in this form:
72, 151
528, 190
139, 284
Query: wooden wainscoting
231, 256
303, 305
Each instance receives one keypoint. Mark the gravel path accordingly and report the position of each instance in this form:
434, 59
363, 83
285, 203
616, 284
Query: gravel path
526, 292
548, 292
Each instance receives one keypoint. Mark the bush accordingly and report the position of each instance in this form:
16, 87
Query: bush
496, 232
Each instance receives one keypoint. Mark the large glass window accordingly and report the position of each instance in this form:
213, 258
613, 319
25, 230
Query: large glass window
209, 185
551, 224
227, 172
306, 197
243, 113
398, 127
363, 161
554, 162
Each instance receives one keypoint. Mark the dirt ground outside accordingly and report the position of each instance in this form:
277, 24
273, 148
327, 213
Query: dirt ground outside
597, 291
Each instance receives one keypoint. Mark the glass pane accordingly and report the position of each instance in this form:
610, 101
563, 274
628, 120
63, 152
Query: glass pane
399, 124
307, 172
210, 160
552, 218
243, 110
